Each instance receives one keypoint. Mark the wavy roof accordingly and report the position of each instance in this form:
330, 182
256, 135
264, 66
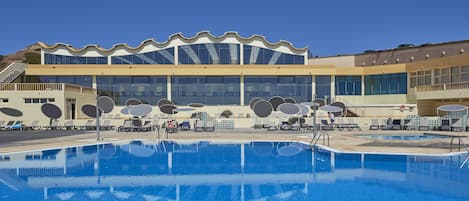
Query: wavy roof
180, 37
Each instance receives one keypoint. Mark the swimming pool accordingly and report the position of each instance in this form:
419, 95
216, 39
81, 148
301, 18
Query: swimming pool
259, 171
406, 137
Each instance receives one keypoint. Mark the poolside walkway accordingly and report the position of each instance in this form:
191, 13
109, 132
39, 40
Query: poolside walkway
339, 140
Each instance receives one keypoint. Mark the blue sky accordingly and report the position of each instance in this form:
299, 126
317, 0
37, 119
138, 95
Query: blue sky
327, 27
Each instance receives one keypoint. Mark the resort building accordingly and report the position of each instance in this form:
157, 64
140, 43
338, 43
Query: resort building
227, 71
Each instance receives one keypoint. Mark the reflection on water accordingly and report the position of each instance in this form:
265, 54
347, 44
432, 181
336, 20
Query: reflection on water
259, 171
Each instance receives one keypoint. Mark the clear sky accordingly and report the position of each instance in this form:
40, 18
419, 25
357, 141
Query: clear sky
327, 27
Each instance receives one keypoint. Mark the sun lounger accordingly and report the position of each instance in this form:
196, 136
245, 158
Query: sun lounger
325, 125
146, 126
296, 126
352, 125
54, 125
185, 126
106, 125
409, 124
457, 125
340, 124
90, 124
374, 125
445, 125
396, 124
18, 125
171, 126
155, 124
257, 123
33, 126
199, 125
8, 125
209, 126
126, 126
424, 124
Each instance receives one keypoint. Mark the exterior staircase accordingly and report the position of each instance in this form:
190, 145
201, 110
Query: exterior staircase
11, 72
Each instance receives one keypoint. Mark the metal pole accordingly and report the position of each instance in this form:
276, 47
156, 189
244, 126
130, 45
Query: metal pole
98, 134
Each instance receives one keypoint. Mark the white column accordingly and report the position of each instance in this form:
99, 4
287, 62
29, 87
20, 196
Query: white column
168, 87
109, 61
241, 54
313, 87
42, 57
332, 88
363, 85
241, 90
93, 82
176, 56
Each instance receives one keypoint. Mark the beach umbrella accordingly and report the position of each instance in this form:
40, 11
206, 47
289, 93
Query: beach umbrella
320, 102
126, 110
140, 110
90, 110
52, 111
289, 100
276, 101
196, 105
288, 108
304, 110
253, 102
168, 109
262, 108
11, 112
185, 109
162, 102
106, 104
330, 108
341, 105
133, 101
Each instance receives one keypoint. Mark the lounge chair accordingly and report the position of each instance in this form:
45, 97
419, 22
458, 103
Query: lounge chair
155, 124
54, 125
457, 125
90, 124
68, 125
296, 126
396, 124
146, 126
374, 125
445, 125
325, 125
209, 126
106, 125
409, 124
171, 126
33, 126
136, 124
18, 125
352, 125
185, 126
199, 126
341, 125
257, 123
424, 124
126, 126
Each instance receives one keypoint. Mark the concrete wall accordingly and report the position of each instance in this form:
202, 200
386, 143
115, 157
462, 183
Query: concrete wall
339, 61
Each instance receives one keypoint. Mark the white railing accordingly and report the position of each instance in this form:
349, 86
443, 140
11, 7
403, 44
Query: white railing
46, 87
442, 87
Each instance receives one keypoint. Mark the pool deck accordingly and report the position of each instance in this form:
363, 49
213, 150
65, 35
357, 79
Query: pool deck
344, 141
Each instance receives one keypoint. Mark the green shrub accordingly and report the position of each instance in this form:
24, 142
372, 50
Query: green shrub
32, 58
226, 114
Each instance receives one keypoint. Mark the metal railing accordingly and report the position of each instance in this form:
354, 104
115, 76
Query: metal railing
46, 87
443, 87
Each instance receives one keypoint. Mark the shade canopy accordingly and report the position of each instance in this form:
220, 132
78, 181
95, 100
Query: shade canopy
303, 109
11, 112
452, 108
320, 102
263, 108
140, 110
289, 100
289, 108
162, 102
126, 110
253, 102
90, 110
196, 105
106, 104
341, 105
133, 101
185, 109
330, 108
276, 101
52, 111
168, 109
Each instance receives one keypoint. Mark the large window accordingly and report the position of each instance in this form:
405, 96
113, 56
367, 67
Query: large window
348, 85
61, 59
82, 80
165, 56
298, 87
258, 55
148, 89
386, 84
323, 87
209, 90
209, 53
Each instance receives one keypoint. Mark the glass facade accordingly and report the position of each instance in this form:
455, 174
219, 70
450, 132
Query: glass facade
165, 56
323, 87
348, 85
209, 90
258, 55
298, 87
82, 80
61, 59
209, 53
386, 84
148, 89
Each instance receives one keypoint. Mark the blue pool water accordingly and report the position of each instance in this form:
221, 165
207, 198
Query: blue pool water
406, 137
256, 171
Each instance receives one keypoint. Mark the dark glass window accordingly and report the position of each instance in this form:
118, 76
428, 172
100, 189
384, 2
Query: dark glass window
348, 85
62, 59
209, 53
164, 56
258, 55
148, 89
209, 90
386, 84
297, 87
323, 86
82, 80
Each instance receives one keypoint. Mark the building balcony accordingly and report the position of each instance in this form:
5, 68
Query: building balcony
442, 91
47, 87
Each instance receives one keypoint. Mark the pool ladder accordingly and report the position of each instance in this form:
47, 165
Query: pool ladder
316, 137
466, 147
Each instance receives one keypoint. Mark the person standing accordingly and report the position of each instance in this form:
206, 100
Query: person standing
331, 117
